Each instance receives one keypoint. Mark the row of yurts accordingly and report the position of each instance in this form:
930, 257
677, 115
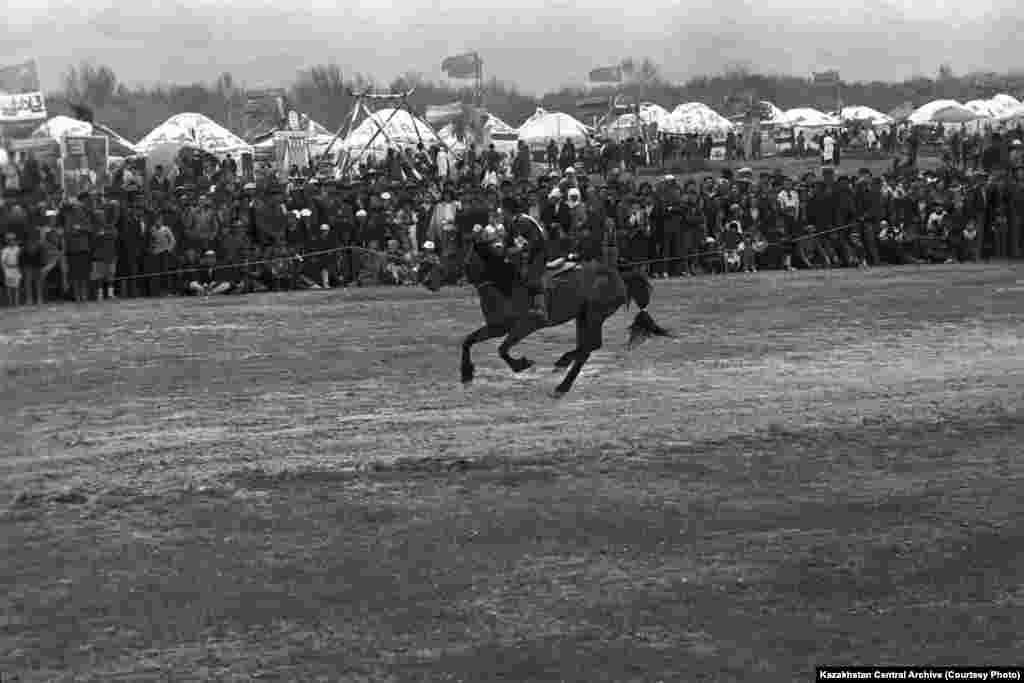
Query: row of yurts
399, 129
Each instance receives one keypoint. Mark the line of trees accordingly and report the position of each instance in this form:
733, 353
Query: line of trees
322, 92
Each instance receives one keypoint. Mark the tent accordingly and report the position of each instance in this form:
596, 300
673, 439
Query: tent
1013, 114
628, 125
695, 118
900, 113
649, 113
194, 130
772, 115
538, 130
983, 108
804, 117
1002, 104
60, 127
865, 115
319, 137
401, 130
941, 111
503, 136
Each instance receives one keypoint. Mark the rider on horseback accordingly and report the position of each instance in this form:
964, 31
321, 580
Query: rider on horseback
526, 247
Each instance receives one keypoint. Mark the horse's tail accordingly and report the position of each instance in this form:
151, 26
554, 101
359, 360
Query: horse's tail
639, 290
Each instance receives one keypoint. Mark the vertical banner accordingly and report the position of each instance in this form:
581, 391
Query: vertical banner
84, 164
21, 97
290, 148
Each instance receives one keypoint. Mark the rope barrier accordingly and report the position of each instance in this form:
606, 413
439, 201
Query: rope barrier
720, 250
299, 258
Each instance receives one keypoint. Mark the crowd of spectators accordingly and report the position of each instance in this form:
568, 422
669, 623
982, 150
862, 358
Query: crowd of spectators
211, 230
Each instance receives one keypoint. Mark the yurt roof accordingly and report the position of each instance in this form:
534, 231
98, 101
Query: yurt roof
545, 126
61, 126
401, 129
195, 130
925, 112
805, 117
862, 113
695, 118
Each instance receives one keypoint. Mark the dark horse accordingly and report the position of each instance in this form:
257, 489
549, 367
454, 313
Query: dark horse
588, 294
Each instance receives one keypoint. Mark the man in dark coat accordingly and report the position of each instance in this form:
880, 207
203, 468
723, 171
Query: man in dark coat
526, 245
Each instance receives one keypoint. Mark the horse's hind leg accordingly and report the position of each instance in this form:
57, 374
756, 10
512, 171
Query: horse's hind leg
484, 333
520, 331
589, 340
568, 357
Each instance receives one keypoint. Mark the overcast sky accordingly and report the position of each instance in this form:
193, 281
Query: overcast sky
536, 44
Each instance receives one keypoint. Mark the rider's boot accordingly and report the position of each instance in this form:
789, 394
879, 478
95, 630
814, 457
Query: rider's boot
538, 307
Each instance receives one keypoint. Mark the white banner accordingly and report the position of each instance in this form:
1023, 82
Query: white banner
21, 96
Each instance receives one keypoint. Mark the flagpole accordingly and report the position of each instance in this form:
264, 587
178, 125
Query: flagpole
479, 80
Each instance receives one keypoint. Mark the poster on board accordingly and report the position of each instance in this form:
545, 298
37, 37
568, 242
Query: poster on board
84, 164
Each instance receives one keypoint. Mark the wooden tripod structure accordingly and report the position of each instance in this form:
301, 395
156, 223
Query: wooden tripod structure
369, 104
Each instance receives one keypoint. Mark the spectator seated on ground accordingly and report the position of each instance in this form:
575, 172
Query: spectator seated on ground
206, 282
280, 267
396, 269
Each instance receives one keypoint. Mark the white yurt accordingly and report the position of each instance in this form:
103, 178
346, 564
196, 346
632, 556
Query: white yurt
194, 130
543, 127
629, 124
926, 113
696, 118
319, 138
60, 127
388, 128
775, 116
1002, 104
866, 115
503, 136
807, 118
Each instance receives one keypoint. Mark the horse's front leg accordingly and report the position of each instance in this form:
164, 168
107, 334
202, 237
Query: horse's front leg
520, 331
482, 334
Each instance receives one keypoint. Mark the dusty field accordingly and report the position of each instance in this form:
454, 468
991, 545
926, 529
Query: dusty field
822, 468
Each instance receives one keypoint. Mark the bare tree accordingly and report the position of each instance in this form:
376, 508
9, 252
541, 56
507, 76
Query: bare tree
90, 85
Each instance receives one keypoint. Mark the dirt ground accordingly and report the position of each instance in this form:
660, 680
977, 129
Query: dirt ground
821, 468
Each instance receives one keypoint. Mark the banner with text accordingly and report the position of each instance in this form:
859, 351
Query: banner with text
21, 97
84, 164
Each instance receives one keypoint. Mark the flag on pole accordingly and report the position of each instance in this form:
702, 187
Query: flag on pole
606, 74
461, 66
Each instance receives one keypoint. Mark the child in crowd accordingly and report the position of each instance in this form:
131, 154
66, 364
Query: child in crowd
10, 258
754, 245
732, 246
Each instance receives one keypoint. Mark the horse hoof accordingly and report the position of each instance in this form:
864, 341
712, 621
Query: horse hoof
559, 393
562, 364
467, 375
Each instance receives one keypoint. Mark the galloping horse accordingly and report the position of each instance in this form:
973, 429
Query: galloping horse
588, 293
